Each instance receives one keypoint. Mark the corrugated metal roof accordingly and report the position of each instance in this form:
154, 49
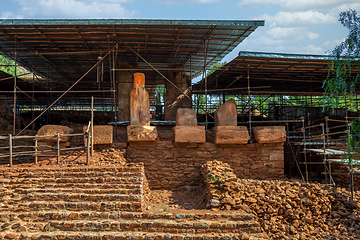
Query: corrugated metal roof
64, 49
270, 73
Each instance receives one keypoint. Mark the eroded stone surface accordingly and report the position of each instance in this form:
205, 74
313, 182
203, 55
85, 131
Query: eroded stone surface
269, 134
226, 114
125, 85
186, 117
139, 102
231, 135
141, 133
174, 98
189, 134
103, 134
48, 130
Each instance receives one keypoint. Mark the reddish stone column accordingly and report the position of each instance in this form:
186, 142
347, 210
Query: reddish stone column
139, 102
139, 129
187, 132
226, 130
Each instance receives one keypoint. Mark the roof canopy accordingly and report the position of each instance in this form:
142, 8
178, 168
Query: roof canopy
64, 50
270, 73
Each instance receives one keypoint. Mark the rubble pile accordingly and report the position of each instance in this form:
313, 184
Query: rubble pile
285, 209
111, 156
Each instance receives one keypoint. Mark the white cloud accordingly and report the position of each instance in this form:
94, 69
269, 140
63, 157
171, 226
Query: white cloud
186, 1
290, 25
303, 5
298, 18
298, 40
290, 33
8, 14
73, 9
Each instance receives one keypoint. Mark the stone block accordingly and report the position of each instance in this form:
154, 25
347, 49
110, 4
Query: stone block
141, 133
186, 117
189, 134
103, 134
51, 130
269, 134
226, 114
231, 135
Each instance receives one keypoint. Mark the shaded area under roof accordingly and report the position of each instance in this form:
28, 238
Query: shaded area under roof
63, 50
7, 86
270, 73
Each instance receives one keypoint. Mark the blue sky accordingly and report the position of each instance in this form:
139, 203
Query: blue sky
291, 26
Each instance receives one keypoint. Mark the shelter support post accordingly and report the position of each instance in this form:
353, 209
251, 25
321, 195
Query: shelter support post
174, 98
125, 85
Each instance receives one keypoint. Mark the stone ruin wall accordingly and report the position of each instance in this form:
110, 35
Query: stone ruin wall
169, 166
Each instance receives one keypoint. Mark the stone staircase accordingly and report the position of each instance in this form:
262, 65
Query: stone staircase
101, 203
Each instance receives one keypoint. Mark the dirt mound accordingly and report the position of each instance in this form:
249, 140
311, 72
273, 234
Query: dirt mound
285, 209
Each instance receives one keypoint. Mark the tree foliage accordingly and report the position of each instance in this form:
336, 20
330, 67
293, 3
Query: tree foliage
341, 79
7, 65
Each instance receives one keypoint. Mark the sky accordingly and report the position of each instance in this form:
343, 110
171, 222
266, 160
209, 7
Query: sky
291, 26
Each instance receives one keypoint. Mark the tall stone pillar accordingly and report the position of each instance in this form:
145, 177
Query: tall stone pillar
125, 85
139, 102
139, 129
174, 99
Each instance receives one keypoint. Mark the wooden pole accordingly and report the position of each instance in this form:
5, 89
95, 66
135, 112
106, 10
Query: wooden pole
249, 102
58, 148
36, 151
15, 76
10, 151
92, 126
87, 148
304, 149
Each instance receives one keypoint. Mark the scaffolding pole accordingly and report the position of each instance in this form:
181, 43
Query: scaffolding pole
65, 92
15, 76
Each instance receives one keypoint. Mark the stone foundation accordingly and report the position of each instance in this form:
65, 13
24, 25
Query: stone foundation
231, 135
169, 166
189, 134
141, 133
269, 134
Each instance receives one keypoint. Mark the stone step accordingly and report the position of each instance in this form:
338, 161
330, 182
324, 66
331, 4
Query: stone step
44, 216
127, 185
95, 190
113, 180
75, 197
32, 175
22, 172
130, 236
75, 206
158, 226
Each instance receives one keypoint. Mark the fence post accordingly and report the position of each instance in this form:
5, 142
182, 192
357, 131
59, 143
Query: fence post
10, 150
58, 148
92, 126
36, 151
87, 147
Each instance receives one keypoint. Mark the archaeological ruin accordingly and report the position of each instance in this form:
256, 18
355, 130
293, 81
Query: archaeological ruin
136, 129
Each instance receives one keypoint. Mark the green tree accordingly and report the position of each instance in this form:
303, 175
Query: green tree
7, 65
341, 79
